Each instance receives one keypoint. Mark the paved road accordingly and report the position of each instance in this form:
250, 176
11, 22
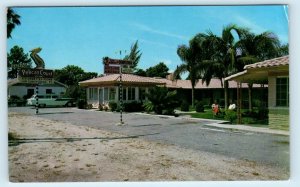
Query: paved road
194, 134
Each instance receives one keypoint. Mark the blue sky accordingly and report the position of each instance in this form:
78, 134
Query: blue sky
82, 36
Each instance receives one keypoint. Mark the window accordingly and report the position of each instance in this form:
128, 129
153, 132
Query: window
131, 93
93, 93
142, 94
282, 91
112, 94
124, 93
48, 91
105, 94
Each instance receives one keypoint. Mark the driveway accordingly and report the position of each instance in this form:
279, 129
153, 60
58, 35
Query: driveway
188, 133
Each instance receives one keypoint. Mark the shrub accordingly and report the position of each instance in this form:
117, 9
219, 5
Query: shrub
12, 136
148, 106
262, 113
230, 115
184, 106
199, 107
133, 106
113, 106
81, 104
15, 100
161, 100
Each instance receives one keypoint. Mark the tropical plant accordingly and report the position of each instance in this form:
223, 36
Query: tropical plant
13, 19
253, 48
222, 60
192, 57
134, 55
161, 101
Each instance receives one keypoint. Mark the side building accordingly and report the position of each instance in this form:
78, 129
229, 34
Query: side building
276, 73
26, 90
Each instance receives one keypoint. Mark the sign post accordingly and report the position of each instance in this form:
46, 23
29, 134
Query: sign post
120, 92
37, 99
115, 66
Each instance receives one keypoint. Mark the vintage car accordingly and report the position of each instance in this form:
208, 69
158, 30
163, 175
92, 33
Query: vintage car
50, 101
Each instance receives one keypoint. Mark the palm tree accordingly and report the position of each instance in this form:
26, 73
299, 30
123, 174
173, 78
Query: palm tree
254, 48
135, 55
192, 57
13, 19
222, 61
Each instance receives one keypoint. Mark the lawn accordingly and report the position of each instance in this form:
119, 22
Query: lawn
247, 120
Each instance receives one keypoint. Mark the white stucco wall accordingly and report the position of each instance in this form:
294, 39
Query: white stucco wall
271, 91
20, 91
95, 102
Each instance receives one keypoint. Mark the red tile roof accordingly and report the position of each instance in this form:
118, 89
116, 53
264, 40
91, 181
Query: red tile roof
186, 84
134, 79
126, 78
280, 61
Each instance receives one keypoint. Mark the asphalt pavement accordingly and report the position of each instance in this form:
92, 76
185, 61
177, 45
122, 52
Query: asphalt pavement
260, 145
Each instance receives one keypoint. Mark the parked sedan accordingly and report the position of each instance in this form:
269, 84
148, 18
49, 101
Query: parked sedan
50, 101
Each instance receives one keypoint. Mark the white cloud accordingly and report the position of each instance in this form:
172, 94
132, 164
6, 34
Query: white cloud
155, 43
155, 31
251, 25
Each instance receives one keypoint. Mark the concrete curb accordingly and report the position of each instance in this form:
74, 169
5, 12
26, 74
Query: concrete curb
218, 124
251, 129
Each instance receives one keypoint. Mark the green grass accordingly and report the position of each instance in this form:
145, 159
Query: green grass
207, 114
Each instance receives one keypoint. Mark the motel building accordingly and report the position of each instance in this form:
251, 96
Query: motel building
102, 90
274, 72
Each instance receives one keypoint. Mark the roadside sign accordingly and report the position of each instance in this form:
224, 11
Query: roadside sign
112, 66
36, 76
42, 73
36, 80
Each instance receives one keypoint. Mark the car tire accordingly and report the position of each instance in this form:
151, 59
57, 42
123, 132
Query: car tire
69, 104
42, 105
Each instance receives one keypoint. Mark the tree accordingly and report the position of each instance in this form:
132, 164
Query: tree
284, 50
71, 75
254, 48
159, 70
140, 72
222, 62
192, 57
13, 19
134, 55
17, 59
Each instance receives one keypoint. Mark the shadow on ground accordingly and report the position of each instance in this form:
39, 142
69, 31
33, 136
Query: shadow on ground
18, 141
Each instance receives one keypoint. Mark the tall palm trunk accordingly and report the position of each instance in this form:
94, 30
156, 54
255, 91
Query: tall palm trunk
250, 85
226, 85
193, 99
